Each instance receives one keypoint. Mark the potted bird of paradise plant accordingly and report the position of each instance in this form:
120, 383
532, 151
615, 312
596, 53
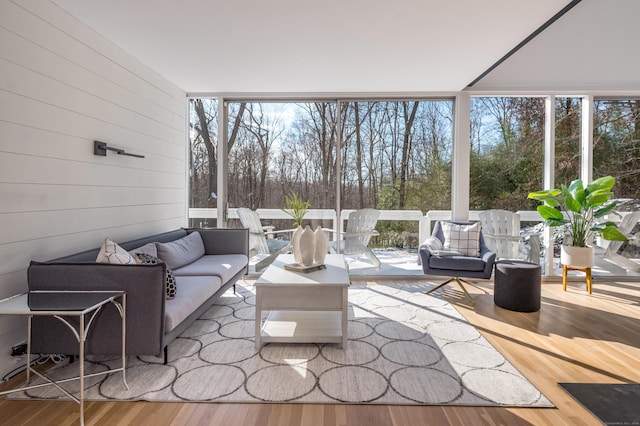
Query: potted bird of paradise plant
580, 208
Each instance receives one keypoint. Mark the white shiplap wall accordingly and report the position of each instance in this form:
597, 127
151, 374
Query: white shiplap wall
61, 86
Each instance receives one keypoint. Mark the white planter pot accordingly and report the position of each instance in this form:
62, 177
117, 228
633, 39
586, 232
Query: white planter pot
582, 257
307, 246
322, 246
295, 242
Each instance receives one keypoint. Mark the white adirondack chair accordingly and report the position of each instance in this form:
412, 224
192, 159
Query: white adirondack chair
501, 231
627, 226
259, 245
360, 228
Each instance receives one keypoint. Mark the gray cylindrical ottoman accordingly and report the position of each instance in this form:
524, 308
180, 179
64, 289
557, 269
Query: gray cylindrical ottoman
517, 285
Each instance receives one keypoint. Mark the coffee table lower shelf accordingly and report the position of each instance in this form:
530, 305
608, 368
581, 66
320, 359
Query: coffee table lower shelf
302, 327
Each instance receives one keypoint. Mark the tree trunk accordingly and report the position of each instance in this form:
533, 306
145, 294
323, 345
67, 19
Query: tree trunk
356, 112
236, 125
209, 143
409, 118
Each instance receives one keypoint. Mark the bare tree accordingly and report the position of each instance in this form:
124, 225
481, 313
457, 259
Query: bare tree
262, 130
205, 127
207, 122
409, 116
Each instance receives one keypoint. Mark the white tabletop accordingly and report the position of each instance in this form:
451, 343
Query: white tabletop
81, 302
335, 274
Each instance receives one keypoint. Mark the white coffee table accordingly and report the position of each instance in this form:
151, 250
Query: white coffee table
304, 307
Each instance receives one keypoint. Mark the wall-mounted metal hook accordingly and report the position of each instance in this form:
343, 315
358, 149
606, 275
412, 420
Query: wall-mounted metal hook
100, 148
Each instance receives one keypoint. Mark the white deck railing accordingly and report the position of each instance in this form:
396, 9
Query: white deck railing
425, 222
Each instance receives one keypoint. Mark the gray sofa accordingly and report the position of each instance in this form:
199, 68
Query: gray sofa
152, 321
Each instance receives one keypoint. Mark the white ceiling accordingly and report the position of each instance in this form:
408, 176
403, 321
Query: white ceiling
325, 46
592, 47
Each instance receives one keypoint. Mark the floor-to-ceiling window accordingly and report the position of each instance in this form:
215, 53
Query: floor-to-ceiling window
567, 141
279, 148
507, 152
507, 145
279, 151
395, 155
202, 171
616, 144
402, 150
616, 152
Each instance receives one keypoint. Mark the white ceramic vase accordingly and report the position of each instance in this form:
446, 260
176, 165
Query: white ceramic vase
307, 246
295, 243
322, 245
581, 257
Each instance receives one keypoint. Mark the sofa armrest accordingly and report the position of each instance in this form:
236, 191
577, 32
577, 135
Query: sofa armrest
145, 291
224, 240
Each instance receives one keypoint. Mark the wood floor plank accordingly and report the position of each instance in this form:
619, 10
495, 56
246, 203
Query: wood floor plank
575, 337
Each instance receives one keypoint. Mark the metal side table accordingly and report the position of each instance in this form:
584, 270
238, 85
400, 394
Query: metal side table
85, 305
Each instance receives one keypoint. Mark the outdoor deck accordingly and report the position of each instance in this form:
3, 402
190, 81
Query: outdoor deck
399, 263
404, 263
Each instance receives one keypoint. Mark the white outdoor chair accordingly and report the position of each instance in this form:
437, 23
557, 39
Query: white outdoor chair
360, 229
259, 244
627, 226
501, 231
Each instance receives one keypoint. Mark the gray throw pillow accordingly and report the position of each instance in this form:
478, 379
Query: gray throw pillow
146, 259
181, 252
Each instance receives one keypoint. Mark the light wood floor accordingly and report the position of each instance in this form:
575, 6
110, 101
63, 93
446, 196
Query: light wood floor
575, 337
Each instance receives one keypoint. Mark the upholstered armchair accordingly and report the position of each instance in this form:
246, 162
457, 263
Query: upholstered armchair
457, 249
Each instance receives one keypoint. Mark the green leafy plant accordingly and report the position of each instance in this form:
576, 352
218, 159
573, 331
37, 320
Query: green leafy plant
582, 207
295, 207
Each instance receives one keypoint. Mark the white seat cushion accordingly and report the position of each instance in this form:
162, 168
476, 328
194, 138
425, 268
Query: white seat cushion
194, 291
224, 266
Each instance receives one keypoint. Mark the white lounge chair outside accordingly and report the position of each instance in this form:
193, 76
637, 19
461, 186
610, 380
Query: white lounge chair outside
501, 231
259, 245
355, 240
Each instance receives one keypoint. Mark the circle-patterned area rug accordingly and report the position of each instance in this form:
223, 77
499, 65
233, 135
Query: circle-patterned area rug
404, 347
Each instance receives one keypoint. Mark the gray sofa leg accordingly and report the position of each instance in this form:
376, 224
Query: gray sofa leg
166, 355
234, 288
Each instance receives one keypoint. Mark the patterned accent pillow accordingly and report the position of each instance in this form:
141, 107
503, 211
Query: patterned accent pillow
111, 252
147, 259
149, 248
462, 238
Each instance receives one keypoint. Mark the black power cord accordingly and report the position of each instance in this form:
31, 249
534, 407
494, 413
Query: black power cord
40, 359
